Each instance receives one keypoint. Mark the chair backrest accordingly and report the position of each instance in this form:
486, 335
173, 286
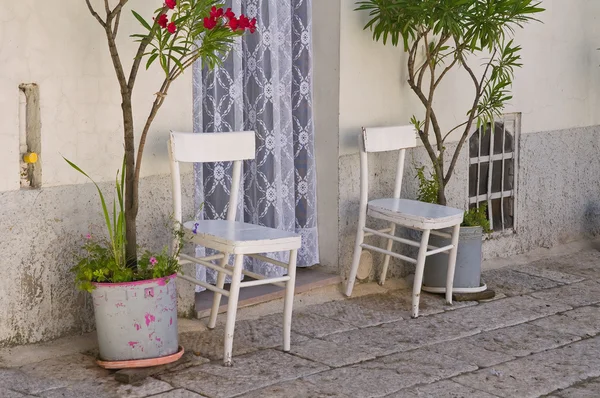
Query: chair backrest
381, 139
210, 147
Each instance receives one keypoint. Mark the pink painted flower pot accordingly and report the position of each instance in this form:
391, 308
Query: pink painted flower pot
136, 320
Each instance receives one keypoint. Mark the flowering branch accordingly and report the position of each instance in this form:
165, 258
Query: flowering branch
181, 32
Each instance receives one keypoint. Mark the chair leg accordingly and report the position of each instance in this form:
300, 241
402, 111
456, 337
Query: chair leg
419, 273
386, 261
360, 237
212, 322
234, 294
289, 301
452, 264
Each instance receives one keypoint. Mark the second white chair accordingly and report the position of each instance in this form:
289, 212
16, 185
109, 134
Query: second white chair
229, 237
412, 214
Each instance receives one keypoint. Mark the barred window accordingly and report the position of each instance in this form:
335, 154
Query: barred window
493, 164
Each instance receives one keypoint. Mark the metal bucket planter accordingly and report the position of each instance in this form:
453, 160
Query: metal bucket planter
467, 274
136, 320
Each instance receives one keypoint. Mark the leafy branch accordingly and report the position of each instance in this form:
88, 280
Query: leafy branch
181, 33
440, 36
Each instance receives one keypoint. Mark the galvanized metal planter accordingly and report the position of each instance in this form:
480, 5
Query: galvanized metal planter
136, 320
467, 275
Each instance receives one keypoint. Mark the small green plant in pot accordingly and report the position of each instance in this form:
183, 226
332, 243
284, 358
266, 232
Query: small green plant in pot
467, 276
134, 294
441, 38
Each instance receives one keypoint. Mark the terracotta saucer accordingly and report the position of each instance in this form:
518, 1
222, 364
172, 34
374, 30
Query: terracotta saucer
141, 363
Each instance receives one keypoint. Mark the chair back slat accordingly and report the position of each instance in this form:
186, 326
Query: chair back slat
212, 147
380, 139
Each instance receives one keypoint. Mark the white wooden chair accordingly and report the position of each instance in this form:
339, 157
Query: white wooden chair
229, 237
426, 217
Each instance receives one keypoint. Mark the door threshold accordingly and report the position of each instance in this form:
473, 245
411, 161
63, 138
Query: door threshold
306, 279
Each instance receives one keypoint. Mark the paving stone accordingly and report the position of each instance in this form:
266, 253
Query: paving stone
583, 321
109, 388
330, 353
295, 389
522, 340
586, 389
5, 393
503, 313
554, 275
69, 368
441, 389
358, 382
429, 304
514, 283
250, 372
400, 336
465, 351
148, 387
585, 264
392, 373
356, 313
539, 374
136, 375
249, 336
179, 393
576, 294
18, 381
312, 325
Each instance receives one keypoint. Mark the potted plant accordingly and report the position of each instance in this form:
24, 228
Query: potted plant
467, 274
135, 298
440, 36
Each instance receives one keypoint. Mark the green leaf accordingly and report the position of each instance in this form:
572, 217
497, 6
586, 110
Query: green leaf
141, 20
104, 208
151, 59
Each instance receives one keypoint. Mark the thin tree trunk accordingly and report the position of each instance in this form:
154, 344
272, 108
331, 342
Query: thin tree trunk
441, 192
131, 196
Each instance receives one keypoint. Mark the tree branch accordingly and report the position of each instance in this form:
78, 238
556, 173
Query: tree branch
95, 14
446, 69
160, 98
116, 25
140, 52
472, 114
412, 54
117, 10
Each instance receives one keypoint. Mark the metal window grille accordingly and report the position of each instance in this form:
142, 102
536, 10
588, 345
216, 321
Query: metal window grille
493, 165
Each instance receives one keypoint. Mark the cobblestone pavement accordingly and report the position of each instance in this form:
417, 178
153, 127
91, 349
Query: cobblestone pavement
539, 337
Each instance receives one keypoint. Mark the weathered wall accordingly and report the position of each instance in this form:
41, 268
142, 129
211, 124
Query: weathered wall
558, 89
41, 233
558, 193
64, 51
326, 85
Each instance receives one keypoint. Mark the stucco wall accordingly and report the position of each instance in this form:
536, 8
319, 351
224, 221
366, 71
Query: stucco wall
64, 51
558, 193
326, 84
557, 90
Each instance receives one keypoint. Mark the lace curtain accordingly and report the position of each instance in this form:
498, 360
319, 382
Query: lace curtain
265, 85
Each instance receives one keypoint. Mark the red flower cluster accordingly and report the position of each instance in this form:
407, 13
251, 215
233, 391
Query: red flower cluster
234, 23
163, 22
163, 19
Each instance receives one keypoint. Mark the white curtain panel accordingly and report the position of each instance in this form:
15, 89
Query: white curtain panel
265, 85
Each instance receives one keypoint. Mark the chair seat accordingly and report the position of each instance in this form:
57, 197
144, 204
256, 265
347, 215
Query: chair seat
415, 214
240, 238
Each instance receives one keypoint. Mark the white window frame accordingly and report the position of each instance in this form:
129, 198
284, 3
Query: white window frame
513, 120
